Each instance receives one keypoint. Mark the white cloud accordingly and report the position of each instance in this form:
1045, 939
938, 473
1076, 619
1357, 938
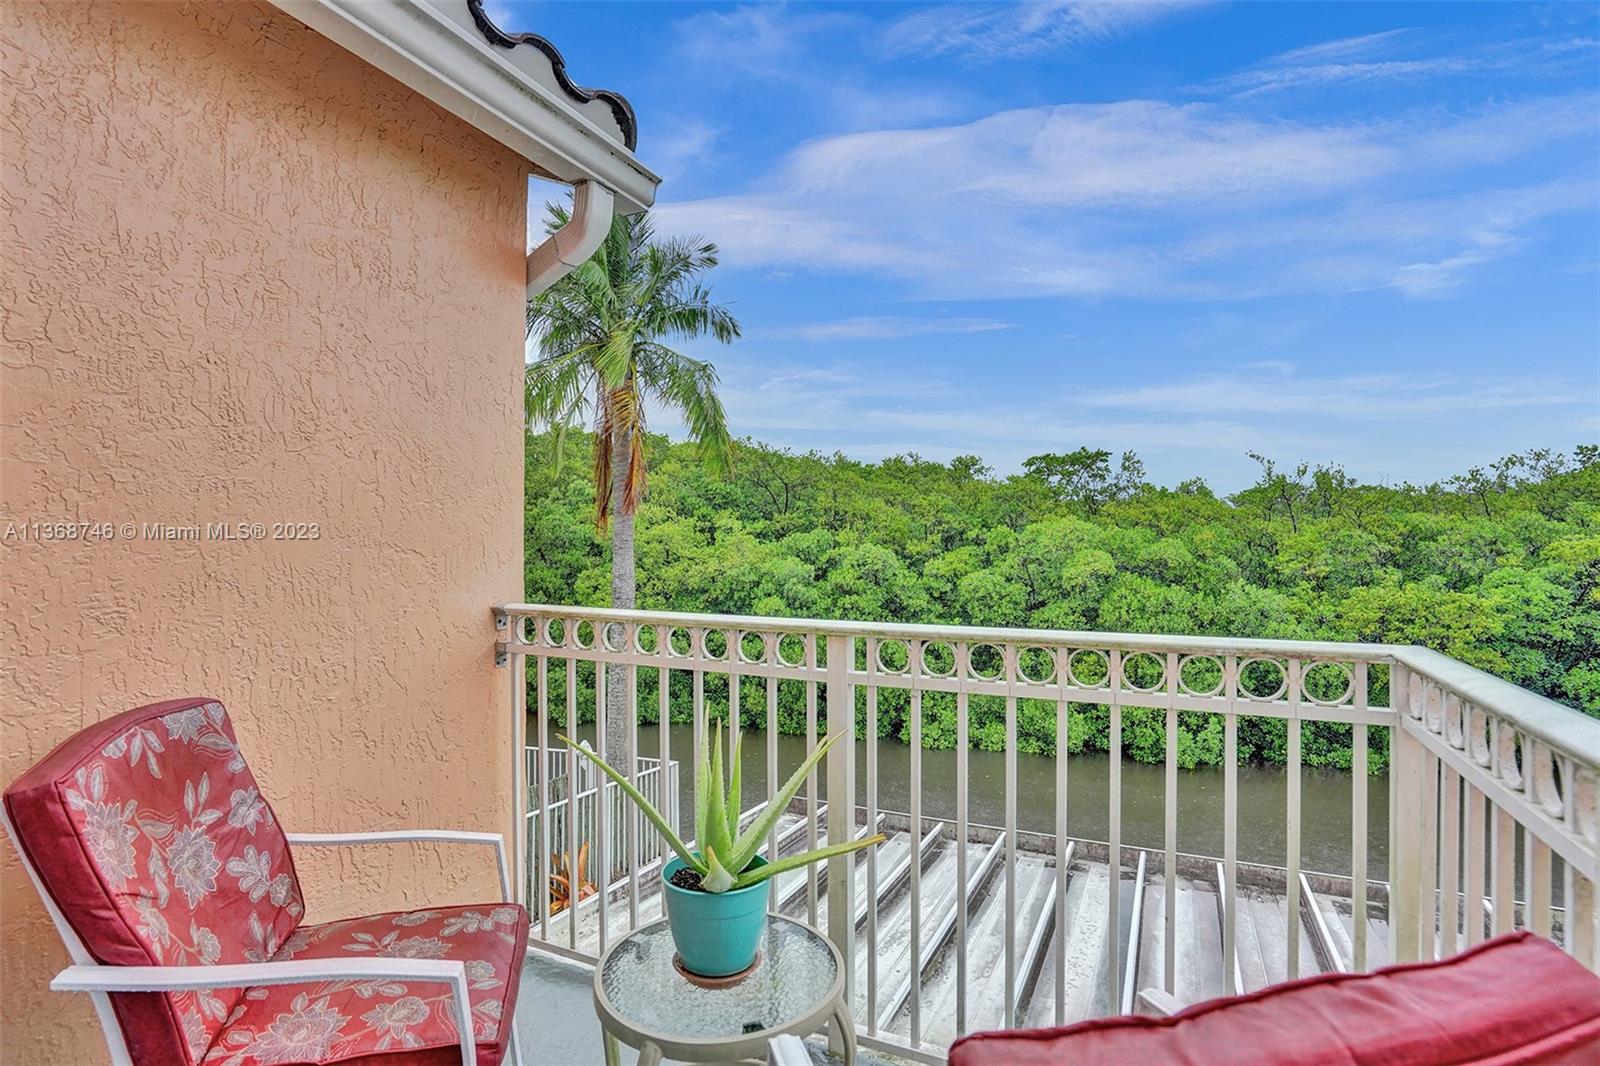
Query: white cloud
1152, 199
883, 327
1379, 57
998, 31
1357, 397
1202, 424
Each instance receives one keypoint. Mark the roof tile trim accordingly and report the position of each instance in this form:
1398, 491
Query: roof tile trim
615, 101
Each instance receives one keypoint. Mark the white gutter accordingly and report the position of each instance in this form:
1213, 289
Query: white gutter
427, 50
566, 249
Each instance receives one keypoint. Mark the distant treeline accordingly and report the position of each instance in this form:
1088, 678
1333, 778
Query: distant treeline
1498, 567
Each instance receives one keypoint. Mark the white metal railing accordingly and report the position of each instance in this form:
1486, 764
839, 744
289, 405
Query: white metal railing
547, 825
1493, 800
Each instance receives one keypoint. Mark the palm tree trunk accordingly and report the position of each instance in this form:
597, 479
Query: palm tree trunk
619, 731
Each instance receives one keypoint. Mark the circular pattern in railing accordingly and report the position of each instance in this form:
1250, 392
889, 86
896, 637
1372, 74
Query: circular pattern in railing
938, 659
583, 634
894, 657
1200, 675
986, 662
1143, 671
680, 642
1088, 668
754, 648
647, 639
1263, 680
555, 632
1543, 775
1455, 732
1480, 737
1327, 683
1036, 665
615, 636
791, 650
714, 644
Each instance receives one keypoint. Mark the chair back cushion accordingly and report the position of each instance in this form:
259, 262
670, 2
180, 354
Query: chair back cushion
150, 835
1517, 999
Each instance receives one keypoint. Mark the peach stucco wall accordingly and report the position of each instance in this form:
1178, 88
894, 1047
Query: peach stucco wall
248, 278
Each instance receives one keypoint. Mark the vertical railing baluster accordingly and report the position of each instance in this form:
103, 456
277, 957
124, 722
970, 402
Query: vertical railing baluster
774, 657
1063, 739
541, 887
1230, 827
697, 675
1537, 882
1169, 871
811, 778
841, 761
1358, 822
915, 650
631, 815
1295, 677
602, 877
1405, 826
735, 719
574, 874
1503, 858
872, 820
1114, 850
1476, 870
521, 867
1449, 862
669, 794
1581, 938
1428, 884
963, 662
1009, 665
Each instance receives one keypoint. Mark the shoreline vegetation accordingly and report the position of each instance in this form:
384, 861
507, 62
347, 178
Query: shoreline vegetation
1498, 567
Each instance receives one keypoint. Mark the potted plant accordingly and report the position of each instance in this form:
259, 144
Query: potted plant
716, 894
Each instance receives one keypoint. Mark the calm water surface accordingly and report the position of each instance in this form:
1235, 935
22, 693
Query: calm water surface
1263, 812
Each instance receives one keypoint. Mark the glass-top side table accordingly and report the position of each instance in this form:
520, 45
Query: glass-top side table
644, 1000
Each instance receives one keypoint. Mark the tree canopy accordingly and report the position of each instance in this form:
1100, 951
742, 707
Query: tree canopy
1499, 569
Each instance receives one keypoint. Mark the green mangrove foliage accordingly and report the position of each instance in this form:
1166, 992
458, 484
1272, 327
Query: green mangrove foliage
1499, 568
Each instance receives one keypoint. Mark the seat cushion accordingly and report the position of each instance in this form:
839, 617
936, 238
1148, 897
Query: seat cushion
1517, 999
149, 833
385, 1022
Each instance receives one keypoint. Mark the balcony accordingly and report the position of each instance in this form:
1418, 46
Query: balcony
1018, 890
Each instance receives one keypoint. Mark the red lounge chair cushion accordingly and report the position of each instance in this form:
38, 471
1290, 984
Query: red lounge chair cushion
150, 834
1516, 999
386, 1023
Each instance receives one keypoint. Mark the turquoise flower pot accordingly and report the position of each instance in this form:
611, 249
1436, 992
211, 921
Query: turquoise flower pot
716, 933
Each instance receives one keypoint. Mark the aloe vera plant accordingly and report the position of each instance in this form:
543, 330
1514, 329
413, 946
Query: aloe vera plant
726, 857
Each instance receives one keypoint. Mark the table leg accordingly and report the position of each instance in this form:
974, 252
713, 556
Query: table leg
649, 1055
846, 1024
613, 1051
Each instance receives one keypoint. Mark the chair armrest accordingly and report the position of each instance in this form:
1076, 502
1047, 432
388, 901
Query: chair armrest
406, 836
450, 972
1159, 1003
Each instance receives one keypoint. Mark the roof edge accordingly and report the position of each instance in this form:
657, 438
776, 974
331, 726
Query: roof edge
446, 60
626, 119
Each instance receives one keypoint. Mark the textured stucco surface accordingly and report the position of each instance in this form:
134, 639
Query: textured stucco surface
248, 278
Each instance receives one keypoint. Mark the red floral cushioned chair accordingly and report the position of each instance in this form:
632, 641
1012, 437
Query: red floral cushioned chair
1516, 1000
173, 885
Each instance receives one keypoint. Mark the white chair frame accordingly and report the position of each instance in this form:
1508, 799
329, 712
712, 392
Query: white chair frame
86, 975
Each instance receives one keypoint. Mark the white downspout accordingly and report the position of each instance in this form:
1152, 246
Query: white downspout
568, 247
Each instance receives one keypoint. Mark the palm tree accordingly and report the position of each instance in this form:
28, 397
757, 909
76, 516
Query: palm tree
599, 332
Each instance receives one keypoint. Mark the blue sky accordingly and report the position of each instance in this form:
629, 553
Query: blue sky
1358, 233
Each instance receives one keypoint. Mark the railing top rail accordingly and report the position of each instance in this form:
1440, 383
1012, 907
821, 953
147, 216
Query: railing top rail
1556, 724
1156, 642
1564, 728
